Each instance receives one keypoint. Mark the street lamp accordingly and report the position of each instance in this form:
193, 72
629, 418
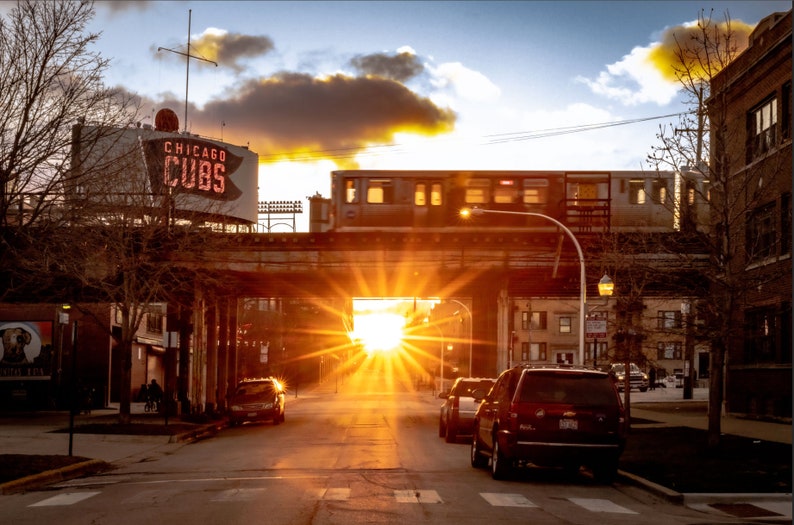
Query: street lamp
605, 289
471, 329
465, 212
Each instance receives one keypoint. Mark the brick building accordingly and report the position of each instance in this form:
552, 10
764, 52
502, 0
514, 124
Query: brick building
750, 114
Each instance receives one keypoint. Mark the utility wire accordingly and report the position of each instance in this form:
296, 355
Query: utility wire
499, 138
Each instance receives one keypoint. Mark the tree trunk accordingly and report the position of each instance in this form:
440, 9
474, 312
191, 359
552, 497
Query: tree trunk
716, 380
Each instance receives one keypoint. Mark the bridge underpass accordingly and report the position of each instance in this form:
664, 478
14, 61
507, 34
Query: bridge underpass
483, 270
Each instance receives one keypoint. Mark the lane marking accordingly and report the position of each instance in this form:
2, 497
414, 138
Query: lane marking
335, 494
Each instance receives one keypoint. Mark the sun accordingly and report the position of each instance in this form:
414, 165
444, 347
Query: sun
378, 331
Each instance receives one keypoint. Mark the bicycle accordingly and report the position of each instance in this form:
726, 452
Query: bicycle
152, 405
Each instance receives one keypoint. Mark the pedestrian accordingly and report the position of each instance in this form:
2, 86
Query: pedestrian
156, 393
652, 377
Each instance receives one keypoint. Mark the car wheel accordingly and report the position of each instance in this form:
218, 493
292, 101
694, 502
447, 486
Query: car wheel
452, 433
643, 389
477, 459
500, 466
442, 430
277, 419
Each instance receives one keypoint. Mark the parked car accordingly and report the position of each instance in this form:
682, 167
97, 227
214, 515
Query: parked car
638, 379
460, 403
257, 400
550, 416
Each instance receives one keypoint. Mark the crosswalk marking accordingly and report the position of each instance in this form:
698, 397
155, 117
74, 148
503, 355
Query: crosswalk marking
239, 494
495, 499
417, 496
600, 505
507, 500
67, 498
335, 494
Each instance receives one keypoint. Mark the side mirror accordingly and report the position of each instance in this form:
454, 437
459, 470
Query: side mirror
479, 394
443, 395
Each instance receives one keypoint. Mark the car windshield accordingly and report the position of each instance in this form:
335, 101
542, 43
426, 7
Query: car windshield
465, 388
255, 388
567, 388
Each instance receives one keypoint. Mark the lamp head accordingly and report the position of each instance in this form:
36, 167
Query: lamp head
605, 286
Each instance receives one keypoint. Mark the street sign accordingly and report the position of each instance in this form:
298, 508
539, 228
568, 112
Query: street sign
596, 328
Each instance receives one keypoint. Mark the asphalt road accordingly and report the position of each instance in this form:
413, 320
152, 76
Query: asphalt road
363, 451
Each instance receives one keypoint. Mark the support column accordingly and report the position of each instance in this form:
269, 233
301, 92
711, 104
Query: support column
503, 342
212, 357
223, 354
484, 328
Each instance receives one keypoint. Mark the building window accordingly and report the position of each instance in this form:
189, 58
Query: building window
669, 350
668, 319
565, 325
760, 330
533, 320
762, 125
524, 352
785, 223
154, 321
785, 131
636, 191
760, 233
601, 354
538, 352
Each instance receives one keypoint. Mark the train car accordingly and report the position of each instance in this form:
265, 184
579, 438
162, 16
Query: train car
585, 201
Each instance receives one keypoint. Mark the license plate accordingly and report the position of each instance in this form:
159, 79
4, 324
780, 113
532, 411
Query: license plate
569, 424
252, 414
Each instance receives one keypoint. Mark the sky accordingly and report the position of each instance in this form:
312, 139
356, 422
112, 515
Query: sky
312, 87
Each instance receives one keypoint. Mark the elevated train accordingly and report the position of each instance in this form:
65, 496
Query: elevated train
585, 201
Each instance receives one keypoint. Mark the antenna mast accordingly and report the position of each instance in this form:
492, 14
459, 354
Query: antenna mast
187, 56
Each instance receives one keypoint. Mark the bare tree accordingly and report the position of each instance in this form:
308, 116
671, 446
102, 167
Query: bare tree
698, 149
50, 80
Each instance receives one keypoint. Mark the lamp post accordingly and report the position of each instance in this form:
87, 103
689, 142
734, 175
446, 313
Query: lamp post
582, 284
471, 330
605, 289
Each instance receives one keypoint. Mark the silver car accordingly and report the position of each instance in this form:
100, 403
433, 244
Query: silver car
457, 412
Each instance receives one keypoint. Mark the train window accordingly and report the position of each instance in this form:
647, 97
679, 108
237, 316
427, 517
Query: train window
505, 195
420, 195
636, 191
536, 191
659, 191
379, 191
350, 191
478, 191
436, 194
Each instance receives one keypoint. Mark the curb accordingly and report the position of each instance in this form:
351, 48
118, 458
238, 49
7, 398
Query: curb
659, 490
92, 466
205, 431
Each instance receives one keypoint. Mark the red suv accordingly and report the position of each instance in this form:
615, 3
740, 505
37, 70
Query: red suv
559, 416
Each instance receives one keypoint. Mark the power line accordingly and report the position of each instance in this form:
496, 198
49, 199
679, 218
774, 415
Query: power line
498, 138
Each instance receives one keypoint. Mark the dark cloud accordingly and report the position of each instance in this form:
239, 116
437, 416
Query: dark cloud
229, 48
116, 7
400, 67
295, 116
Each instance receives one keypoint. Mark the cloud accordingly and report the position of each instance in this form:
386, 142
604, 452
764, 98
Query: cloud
400, 67
297, 116
687, 40
648, 74
226, 49
464, 82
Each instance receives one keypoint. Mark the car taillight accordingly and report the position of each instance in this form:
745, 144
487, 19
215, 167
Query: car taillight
512, 418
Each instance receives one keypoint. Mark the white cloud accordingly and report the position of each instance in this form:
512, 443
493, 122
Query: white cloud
464, 82
632, 81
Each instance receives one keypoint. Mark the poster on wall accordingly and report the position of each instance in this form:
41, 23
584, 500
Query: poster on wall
27, 350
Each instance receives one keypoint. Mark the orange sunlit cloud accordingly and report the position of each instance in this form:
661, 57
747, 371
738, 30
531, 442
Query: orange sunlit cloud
666, 55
